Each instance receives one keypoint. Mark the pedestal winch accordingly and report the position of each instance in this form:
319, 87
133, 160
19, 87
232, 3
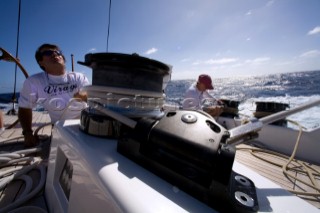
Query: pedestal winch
187, 148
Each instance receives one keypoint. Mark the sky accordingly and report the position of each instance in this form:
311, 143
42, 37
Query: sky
222, 38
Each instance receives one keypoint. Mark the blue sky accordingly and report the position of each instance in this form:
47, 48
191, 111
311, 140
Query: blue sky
223, 38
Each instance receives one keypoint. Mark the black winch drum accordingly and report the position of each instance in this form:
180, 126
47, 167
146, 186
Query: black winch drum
267, 108
130, 85
127, 71
230, 108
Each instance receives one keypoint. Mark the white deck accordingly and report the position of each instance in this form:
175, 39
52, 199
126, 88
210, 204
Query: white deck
117, 183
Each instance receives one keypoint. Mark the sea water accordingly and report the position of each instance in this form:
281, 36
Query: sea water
294, 89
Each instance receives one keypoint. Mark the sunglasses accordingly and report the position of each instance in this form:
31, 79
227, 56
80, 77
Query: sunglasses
50, 52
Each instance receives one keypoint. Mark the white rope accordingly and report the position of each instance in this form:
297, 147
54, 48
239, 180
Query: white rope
25, 198
9, 159
20, 171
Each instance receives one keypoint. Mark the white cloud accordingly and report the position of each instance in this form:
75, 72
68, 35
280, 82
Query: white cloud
285, 63
258, 60
151, 51
197, 62
315, 30
216, 61
221, 61
270, 3
92, 50
185, 59
310, 54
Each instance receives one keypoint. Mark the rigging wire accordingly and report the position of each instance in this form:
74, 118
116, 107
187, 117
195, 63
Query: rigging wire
12, 111
109, 25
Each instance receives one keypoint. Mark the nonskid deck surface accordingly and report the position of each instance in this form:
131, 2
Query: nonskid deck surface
273, 172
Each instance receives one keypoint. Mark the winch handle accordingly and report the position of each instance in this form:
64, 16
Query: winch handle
117, 116
255, 125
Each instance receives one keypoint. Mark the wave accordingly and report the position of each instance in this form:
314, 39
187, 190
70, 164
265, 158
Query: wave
293, 89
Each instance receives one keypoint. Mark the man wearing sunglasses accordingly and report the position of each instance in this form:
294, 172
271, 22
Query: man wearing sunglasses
57, 90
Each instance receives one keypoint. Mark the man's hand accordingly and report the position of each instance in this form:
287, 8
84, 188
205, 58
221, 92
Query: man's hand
214, 111
81, 95
30, 139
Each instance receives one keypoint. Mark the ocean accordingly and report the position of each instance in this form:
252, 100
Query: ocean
293, 89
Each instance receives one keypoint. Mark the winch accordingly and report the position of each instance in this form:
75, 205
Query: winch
130, 85
268, 108
187, 148
230, 108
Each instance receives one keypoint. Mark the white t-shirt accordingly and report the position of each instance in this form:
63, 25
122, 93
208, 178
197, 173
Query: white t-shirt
195, 99
54, 93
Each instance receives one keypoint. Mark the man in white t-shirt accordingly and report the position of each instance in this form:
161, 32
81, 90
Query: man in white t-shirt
55, 89
198, 98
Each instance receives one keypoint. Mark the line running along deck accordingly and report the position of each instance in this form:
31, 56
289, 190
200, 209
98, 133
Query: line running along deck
270, 166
